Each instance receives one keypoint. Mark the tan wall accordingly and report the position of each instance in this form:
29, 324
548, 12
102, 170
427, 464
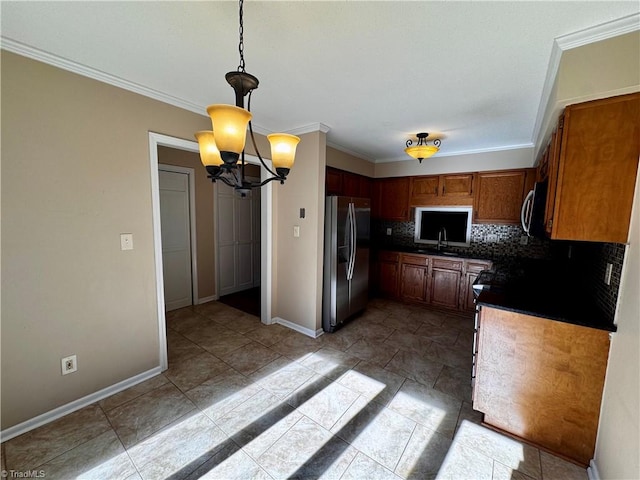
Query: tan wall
76, 174
618, 445
204, 215
345, 161
598, 70
475, 162
298, 295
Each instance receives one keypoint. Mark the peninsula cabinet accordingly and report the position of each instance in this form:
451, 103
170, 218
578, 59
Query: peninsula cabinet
541, 380
390, 199
591, 188
499, 195
454, 189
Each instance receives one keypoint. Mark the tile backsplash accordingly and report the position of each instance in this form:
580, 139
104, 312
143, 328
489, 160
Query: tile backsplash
588, 260
506, 244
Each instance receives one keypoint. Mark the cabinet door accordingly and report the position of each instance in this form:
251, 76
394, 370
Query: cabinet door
597, 171
388, 279
393, 199
350, 185
333, 182
445, 287
414, 283
467, 297
456, 185
499, 196
364, 187
553, 161
424, 190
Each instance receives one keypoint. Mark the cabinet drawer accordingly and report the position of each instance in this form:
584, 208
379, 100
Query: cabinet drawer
447, 264
477, 267
422, 260
385, 256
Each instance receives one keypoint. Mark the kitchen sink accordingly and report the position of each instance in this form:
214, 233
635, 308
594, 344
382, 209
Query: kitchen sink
433, 251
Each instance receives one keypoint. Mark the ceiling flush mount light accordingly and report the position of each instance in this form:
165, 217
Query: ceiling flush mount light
422, 149
222, 148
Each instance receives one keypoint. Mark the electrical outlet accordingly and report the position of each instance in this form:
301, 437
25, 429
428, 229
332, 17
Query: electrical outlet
126, 241
69, 364
607, 274
524, 240
491, 238
389, 231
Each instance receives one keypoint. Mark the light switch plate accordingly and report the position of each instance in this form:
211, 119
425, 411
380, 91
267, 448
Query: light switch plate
126, 241
296, 231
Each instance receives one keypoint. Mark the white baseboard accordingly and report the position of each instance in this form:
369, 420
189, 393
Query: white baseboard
71, 407
207, 299
298, 328
592, 471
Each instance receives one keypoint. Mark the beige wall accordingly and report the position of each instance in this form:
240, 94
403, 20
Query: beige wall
618, 445
476, 162
298, 292
204, 215
345, 161
76, 174
598, 70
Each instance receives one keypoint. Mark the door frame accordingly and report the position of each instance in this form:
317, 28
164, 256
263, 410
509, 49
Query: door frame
266, 237
190, 173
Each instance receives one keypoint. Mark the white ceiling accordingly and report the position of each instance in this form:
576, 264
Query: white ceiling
374, 72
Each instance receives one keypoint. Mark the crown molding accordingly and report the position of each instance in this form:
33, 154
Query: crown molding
74, 67
314, 127
351, 152
461, 152
611, 29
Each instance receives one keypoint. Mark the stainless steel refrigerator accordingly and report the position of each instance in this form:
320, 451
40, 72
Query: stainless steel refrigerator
346, 259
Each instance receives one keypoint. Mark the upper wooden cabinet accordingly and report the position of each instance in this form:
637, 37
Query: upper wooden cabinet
499, 195
390, 199
596, 171
454, 189
339, 182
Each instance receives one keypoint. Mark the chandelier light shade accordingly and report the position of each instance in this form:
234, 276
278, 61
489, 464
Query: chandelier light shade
283, 151
422, 149
209, 153
230, 127
222, 151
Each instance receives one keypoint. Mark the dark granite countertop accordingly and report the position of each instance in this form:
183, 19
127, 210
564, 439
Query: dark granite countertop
430, 250
553, 295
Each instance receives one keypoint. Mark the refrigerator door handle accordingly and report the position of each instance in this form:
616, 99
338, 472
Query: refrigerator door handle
352, 241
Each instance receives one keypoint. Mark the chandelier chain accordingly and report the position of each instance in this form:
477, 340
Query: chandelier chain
241, 67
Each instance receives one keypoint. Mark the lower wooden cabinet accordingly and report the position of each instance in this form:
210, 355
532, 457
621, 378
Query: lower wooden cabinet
414, 274
428, 279
541, 380
388, 269
445, 282
471, 272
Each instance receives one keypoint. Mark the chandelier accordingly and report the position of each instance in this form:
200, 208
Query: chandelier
222, 148
422, 149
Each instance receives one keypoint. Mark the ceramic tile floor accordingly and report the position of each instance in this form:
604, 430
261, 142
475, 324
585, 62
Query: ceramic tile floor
387, 396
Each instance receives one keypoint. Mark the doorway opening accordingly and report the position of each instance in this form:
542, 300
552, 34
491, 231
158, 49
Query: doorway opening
266, 228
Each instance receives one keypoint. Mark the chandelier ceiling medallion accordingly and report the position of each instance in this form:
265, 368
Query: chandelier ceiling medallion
222, 148
422, 149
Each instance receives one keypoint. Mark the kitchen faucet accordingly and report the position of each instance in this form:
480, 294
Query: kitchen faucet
442, 238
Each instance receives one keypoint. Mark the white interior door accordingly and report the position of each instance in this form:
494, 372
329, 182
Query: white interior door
237, 239
176, 239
